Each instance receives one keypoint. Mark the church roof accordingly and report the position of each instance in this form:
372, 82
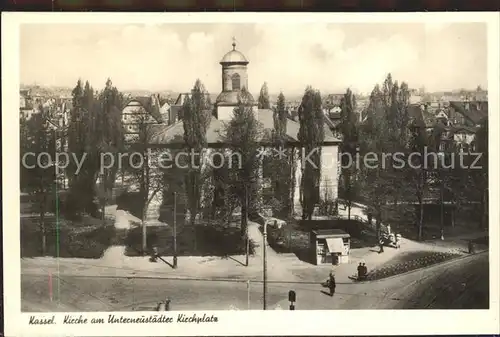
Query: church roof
174, 134
234, 56
231, 98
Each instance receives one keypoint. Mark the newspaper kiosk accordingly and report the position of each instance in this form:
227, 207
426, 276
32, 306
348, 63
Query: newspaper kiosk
330, 246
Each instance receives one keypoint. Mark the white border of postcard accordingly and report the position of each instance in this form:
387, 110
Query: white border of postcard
340, 322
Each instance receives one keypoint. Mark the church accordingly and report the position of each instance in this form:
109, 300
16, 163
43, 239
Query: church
234, 77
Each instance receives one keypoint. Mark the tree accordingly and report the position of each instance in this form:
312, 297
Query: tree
242, 134
264, 102
311, 136
196, 119
386, 132
481, 175
374, 134
349, 147
108, 133
283, 184
81, 142
146, 175
38, 177
418, 145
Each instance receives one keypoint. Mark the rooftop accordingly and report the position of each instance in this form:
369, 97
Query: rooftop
174, 134
234, 56
331, 233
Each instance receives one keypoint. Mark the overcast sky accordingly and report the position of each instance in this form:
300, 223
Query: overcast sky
287, 56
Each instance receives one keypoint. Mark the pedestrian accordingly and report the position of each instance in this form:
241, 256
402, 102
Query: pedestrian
381, 246
360, 271
370, 216
365, 271
471, 247
442, 234
331, 283
154, 254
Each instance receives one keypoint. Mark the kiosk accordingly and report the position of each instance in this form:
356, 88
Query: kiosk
330, 246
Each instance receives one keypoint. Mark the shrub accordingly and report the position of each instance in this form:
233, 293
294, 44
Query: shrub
408, 262
202, 240
87, 238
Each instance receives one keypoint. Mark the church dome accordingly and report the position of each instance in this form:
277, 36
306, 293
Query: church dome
234, 56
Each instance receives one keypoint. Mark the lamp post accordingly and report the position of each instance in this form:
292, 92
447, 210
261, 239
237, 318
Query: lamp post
247, 240
175, 229
264, 261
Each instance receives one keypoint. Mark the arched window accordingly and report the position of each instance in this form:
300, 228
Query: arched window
235, 79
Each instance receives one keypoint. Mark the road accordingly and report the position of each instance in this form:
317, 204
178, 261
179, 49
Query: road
461, 283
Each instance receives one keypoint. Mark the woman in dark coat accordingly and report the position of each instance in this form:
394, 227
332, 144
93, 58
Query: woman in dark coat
332, 284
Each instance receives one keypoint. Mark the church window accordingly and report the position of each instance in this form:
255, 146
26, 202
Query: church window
236, 82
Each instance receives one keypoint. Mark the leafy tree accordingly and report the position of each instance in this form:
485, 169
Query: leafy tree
108, 137
374, 135
196, 119
386, 132
481, 141
283, 183
145, 173
348, 128
242, 134
81, 142
38, 178
264, 102
311, 136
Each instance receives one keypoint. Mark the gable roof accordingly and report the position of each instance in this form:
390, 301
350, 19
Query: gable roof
174, 134
465, 129
473, 114
147, 103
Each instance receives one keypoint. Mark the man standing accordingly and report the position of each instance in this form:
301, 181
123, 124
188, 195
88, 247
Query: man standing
360, 271
332, 284
364, 271
381, 246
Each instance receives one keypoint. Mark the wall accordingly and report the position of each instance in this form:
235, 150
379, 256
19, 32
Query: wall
329, 172
225, 113
228, 71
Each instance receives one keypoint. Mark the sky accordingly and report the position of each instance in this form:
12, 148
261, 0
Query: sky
288, 56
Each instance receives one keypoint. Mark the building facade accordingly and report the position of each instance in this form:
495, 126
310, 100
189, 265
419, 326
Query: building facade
234, 78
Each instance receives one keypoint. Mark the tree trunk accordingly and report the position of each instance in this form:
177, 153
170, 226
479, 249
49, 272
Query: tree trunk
44, 234
420, 219
442, 206
293, 181
378, 225
144, 230
193, 229
453, 216
349, 211
484, 210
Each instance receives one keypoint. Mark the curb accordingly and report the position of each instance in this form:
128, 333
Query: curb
201, 279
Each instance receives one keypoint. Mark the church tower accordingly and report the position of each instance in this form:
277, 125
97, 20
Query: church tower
234, 78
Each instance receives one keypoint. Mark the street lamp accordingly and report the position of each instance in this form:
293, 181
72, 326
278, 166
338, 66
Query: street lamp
264, 261
175, 230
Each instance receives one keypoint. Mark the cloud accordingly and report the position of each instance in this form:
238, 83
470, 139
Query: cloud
286, 56
297, 56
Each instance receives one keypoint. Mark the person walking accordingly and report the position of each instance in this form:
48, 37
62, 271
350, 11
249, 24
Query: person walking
381, 246
471, 247
364, 271
360, 271
332, 284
